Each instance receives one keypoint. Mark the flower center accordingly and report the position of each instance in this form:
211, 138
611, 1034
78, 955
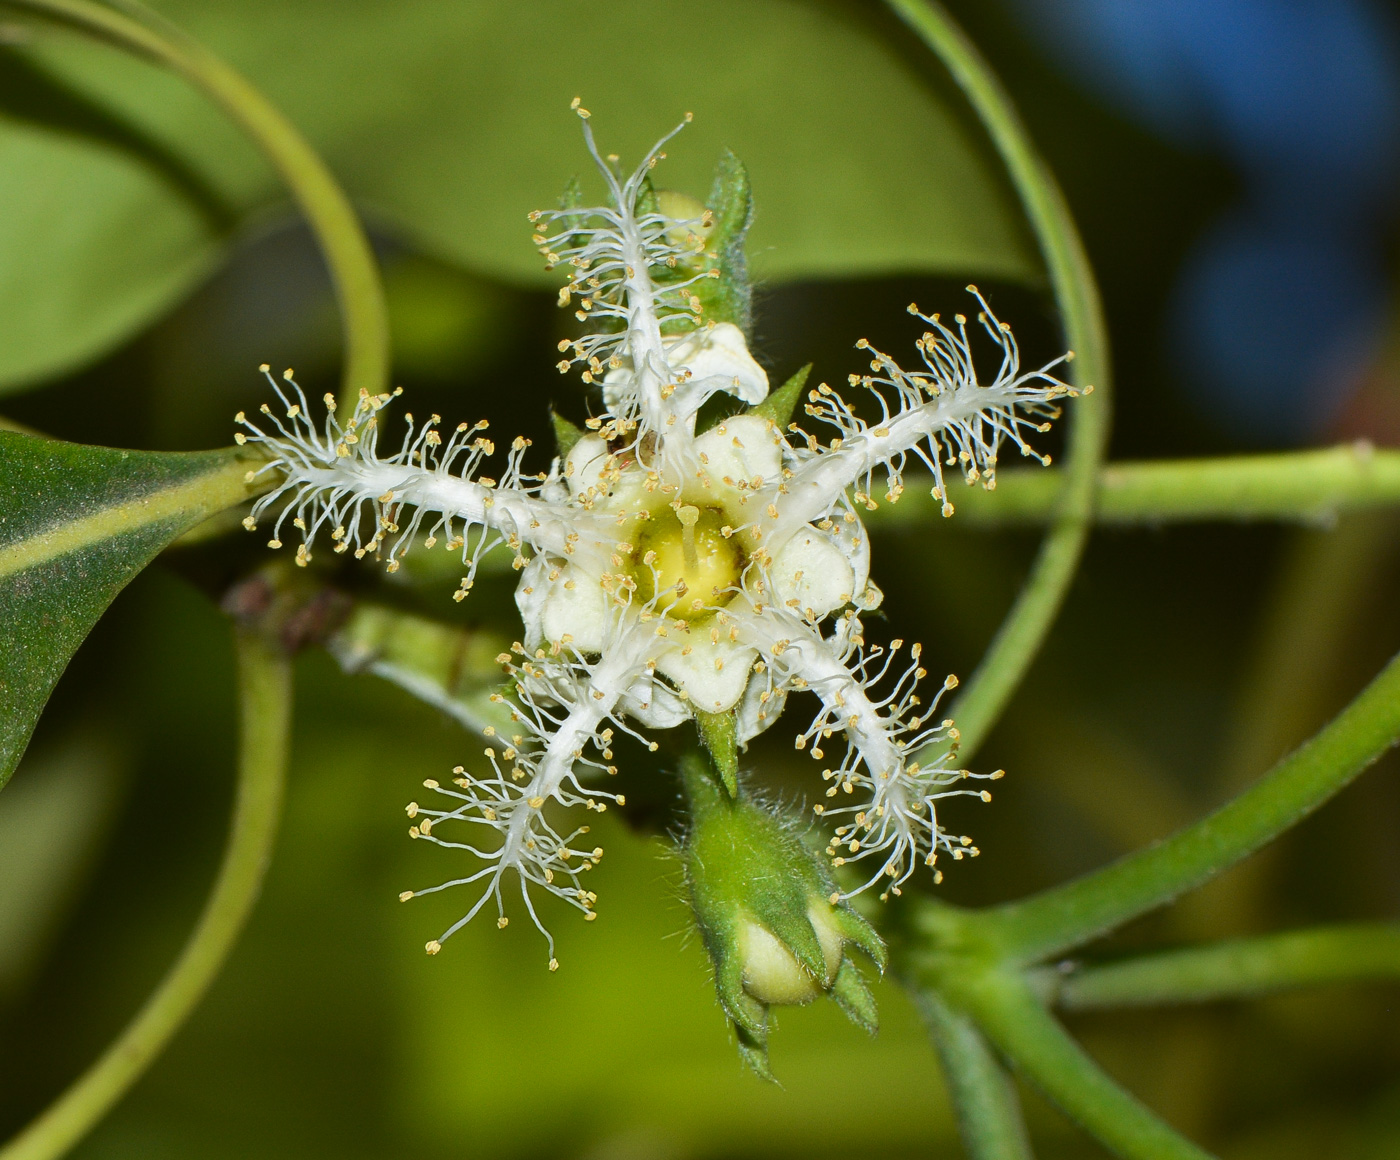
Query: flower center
684, 551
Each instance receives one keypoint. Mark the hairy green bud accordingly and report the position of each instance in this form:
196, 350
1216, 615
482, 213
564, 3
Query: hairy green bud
764, 905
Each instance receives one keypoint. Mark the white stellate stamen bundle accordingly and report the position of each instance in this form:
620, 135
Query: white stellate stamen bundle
665, 571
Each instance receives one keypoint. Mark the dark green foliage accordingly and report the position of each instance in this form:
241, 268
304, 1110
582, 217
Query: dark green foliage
121, 183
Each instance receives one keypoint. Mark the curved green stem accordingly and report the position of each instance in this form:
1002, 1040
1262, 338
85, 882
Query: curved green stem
1239, 968
265, 707
1308, 486
1020, 1026
989, 1113
1068, 916
349, 258
1072, 280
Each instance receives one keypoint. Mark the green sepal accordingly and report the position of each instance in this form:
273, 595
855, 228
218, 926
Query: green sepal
781, 405
745, 1012
747, 1016
781, 895
754, 1053
647, 201
853, 996
572, 197
729, 298
719, 734
854, 928
566, 434
783, 910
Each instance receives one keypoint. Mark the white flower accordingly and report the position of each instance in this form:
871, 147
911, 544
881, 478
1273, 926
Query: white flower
665, 571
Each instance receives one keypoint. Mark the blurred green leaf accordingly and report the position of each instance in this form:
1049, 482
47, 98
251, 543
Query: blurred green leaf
443, 320
448, 120
76, 524
93, 245
51, 823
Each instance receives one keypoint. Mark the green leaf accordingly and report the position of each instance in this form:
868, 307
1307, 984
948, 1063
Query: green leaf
448, 120
76, 524
101, 230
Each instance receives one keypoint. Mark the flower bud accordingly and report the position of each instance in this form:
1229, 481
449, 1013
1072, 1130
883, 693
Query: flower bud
762, 901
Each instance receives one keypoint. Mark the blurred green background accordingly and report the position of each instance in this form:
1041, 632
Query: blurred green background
148, 264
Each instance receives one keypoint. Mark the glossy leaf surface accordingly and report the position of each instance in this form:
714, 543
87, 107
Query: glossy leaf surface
76, 524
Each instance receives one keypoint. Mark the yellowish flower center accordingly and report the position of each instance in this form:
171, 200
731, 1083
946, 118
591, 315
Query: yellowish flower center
683, 549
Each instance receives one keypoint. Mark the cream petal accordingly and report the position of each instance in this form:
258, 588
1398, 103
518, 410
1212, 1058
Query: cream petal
812, 570
871, 596
579, 612
745, 447
716, 358
584, 464
712, 676
655, 705
720, 353
753, 714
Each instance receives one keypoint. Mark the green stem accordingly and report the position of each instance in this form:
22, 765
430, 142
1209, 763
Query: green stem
1301, 485
984, 1096
1016, 1022
265, 699
328, 211
1072, 280
1067, 916
1239, 968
